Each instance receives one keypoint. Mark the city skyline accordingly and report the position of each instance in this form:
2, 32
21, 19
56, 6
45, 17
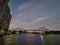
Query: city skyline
32, 14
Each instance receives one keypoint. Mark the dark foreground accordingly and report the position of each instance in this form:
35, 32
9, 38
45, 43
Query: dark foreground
30, 39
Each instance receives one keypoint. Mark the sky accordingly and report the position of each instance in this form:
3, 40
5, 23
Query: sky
33, 14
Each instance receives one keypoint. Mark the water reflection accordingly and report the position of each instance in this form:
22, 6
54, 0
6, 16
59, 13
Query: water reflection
30, 39
52, 40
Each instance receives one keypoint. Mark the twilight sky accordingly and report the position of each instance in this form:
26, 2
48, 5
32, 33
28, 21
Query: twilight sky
32, 14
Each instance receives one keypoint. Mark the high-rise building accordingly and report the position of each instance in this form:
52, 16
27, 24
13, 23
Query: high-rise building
5, 16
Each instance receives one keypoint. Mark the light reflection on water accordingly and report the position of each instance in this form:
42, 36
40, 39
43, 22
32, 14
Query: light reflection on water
30, 39
42, 40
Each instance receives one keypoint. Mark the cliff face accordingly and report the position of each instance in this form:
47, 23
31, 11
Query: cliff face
5, 15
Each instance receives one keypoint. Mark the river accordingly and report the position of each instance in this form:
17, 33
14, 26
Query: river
30, 39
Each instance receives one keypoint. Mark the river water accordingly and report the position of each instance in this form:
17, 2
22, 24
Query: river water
30, 39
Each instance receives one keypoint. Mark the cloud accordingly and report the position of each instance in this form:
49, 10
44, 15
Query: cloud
30, 5
23, 6
32, 13
28, 11
42, 18
33, 22
17, 23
